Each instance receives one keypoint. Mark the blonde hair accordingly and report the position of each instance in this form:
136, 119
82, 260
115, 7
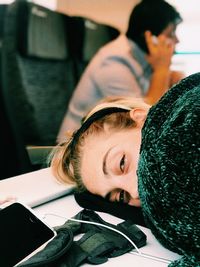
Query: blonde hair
66, 157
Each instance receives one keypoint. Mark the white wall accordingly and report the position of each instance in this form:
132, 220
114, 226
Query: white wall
51, 4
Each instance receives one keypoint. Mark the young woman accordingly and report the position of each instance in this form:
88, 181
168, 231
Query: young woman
129, 152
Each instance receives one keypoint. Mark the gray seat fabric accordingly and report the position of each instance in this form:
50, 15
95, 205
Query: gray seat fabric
86, 38
14, 160
96, 35
3, 8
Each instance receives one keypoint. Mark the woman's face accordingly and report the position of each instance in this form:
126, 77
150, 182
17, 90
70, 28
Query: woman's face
109, 164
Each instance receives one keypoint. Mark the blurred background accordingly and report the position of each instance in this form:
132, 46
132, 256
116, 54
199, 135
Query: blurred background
36, 64
116, 12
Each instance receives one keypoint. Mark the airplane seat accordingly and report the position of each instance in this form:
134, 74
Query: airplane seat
15, 159
38, 73
87, 37
14, 156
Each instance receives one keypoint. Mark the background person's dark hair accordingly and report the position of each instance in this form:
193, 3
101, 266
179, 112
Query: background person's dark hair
152, 15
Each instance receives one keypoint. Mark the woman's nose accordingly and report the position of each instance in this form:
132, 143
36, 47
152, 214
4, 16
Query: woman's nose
131, 185
135, 202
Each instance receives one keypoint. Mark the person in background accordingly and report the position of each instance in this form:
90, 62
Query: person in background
126, 151
136, 64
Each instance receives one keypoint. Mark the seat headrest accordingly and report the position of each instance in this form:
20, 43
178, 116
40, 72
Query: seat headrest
96, 35
42, 32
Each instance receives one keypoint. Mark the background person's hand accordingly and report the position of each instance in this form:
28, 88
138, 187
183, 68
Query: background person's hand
161, 50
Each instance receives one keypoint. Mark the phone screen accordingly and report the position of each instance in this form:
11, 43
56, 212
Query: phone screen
21, 233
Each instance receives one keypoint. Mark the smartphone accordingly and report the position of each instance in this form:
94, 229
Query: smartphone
22, 233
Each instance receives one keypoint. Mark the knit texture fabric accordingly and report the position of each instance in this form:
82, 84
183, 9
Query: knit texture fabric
169, 171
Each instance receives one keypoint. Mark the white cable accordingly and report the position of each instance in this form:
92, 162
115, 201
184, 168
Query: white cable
144, 255
103, 225
138, 253
110, 228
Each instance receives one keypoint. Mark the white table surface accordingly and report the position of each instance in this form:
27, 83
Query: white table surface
154, 254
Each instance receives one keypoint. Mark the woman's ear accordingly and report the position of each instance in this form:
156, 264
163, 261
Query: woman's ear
139, 116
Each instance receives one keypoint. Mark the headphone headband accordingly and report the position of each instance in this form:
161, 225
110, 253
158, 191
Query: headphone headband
94, 117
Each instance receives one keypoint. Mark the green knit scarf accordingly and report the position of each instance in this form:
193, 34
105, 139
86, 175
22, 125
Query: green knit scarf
169, 171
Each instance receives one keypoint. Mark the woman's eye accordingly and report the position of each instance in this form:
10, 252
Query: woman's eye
122, 163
